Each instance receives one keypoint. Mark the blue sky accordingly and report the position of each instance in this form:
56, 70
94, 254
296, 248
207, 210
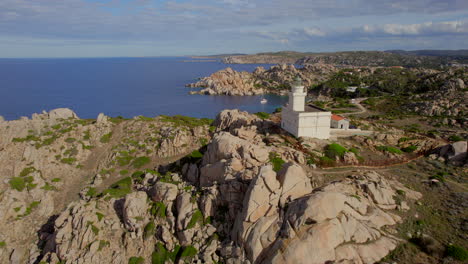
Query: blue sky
110, 28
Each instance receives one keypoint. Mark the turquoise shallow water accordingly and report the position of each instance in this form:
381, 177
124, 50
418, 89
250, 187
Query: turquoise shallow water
117, 86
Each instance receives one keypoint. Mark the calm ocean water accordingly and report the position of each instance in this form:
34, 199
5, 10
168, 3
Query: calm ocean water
117, 86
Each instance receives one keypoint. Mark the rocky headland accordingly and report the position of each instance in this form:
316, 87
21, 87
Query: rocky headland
274, 80
231, 190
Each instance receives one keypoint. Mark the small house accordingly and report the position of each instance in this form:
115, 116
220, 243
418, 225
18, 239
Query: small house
339, 122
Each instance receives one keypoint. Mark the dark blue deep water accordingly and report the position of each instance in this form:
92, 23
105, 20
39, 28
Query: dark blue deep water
116, 86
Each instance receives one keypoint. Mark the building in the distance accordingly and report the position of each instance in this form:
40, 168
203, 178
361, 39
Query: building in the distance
339, 122
303, 120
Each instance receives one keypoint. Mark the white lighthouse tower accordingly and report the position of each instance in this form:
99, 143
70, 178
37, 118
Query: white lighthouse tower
303, 120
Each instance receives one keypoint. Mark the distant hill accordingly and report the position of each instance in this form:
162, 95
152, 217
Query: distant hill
418, 58
438, 53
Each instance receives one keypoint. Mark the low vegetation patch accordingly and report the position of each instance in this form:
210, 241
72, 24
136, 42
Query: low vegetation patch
457, 252
149, 231
136, 260
197, 217
140, 162
106, 138
158, 209
276, 161
335, 150
179, 120
409, 149
263, 115
120, 188
389, 149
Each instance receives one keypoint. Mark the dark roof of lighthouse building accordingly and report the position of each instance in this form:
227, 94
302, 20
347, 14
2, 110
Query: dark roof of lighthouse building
313, 108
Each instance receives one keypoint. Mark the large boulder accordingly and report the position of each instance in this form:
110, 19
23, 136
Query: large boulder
163, 191
342, 222
294, 182
455, 152
63, 113
134, 210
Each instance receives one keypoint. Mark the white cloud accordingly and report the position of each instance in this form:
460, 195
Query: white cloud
313, 32
428, 28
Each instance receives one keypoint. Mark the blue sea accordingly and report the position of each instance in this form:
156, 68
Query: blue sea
118, 87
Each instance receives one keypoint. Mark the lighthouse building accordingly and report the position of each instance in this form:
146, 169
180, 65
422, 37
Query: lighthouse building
303, 120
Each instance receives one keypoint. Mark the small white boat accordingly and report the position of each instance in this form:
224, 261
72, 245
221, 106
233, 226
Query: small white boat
263, 101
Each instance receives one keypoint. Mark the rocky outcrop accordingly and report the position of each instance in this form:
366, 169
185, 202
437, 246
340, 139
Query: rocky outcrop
448, 102
53, 158
455, 153
228, 82
274, 80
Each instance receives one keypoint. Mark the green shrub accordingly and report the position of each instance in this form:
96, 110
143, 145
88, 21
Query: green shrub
457, 252
2, 244
48, 187
409, 149
106, 138
56, 180
17, 183
455, 138
276, 160
161, 255
100, 216
136, 260
102, 244
150, 230
263, 115
140, 162
69, 161
92, 192
123, 172
158, 209
197, 217
120, 188
335, 150
188, 253
389, 149
27, 171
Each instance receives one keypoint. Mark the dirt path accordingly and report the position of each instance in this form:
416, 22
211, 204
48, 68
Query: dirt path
357, 102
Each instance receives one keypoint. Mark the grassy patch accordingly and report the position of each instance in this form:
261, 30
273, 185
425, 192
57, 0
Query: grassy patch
179, 120
48, 187
263, 115
149, 231
197, 217
158, 209
455, 138
409, 149
276, 161
136, 260
17, 183
389, 149
123, 172
120, 188
457, 252
27, 171
140, 162
161, 255
335, 150
56, 180
68, 161
106, 138
2, 244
